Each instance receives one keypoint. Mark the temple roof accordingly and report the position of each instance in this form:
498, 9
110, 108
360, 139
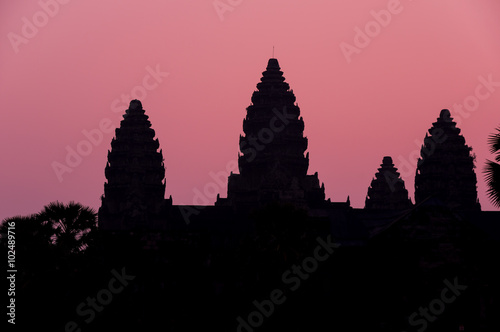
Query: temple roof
387, 190
446, 166
272, 163
273, 64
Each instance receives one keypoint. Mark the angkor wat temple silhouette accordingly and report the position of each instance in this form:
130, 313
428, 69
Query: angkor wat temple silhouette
394, 253
273, 167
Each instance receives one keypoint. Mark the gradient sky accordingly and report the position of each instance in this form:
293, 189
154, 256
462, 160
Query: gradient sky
68, 76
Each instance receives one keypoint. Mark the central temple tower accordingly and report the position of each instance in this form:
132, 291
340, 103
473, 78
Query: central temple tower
272, 164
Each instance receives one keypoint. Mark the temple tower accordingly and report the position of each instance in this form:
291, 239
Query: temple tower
387, 190
135, 189
445, 170
272, 164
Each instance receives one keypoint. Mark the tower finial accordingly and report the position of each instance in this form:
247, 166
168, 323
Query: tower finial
273, 51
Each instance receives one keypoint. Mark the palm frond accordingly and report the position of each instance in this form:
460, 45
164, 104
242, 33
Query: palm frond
492, 177
494, 141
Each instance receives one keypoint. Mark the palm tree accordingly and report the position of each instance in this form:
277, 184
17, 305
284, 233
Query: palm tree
68, 229
73, 225
52, 259
492, 169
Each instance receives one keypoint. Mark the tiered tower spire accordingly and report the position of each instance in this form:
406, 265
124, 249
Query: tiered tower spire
387, 191
272, 164
135, 189
445, 170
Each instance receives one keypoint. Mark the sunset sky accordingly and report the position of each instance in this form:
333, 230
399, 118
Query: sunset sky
370, 77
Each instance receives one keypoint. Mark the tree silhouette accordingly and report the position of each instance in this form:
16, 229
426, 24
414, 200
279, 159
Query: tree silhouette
32, 231
492, 169
68, 229
51, 257
73, 225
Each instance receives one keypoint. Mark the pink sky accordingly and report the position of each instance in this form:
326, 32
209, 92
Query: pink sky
65, 78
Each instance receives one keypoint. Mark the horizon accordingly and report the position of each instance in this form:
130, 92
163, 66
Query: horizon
360, 102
